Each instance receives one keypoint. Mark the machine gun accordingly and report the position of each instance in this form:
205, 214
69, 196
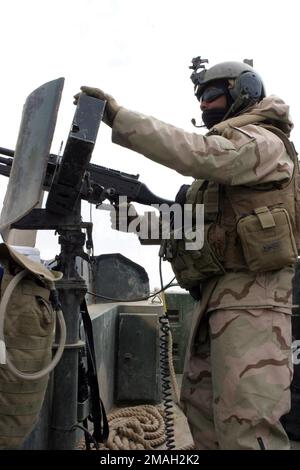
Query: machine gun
69, 178
99, 183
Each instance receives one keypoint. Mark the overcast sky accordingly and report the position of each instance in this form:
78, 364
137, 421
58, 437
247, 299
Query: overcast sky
138, 51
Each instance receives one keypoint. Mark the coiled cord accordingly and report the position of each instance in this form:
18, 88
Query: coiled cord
165, 373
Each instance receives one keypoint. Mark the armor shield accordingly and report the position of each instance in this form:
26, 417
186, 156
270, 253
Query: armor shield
28, 171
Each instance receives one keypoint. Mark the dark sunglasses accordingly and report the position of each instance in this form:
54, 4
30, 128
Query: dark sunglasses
211, 94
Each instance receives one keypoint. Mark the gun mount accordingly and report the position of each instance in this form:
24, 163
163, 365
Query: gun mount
30, 173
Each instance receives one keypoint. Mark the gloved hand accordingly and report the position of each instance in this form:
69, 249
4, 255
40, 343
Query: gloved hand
111, 107
122, 216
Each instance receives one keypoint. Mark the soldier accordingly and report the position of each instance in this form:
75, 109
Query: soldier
238, 370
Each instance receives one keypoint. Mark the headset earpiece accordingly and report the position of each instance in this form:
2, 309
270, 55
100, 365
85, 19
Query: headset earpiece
249, 84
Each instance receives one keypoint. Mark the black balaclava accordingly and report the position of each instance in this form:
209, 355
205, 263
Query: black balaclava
213, 116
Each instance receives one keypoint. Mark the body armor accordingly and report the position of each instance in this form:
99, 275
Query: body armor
233, 215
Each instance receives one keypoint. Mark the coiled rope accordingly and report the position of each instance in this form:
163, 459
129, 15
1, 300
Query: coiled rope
135, 428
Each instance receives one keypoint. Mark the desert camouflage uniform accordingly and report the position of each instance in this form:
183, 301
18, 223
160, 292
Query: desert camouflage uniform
238, 367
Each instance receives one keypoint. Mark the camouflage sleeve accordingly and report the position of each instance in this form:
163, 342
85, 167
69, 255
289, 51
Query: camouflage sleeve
247, 155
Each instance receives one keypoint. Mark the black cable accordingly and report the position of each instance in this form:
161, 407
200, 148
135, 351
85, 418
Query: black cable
167, 286
261, 443
87, 434
165, 373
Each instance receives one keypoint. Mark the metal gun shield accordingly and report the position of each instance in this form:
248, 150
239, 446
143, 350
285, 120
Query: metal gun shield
35, 136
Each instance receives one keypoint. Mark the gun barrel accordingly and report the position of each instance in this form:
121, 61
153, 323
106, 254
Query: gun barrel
6, 161
7, 152
5, 164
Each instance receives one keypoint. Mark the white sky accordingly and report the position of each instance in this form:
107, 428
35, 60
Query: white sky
138, 51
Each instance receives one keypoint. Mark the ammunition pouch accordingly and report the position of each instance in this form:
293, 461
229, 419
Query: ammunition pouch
197, 265
267, 239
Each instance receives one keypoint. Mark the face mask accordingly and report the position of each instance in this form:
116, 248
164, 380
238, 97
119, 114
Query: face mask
213, 116
1, 273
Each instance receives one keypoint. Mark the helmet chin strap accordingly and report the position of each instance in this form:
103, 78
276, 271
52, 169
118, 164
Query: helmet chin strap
242, 103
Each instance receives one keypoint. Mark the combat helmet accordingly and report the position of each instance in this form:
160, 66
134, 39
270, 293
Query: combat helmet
245, 87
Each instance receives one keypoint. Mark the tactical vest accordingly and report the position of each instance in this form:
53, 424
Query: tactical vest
238, 202
253, 228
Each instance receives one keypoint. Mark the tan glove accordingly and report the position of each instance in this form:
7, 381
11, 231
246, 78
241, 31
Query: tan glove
111, 107
121, 217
